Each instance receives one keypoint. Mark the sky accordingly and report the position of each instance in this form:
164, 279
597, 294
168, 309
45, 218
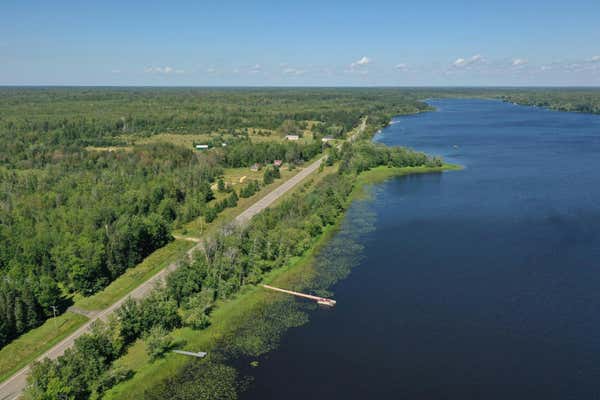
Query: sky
300, 43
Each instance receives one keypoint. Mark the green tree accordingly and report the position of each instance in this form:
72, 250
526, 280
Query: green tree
158, 342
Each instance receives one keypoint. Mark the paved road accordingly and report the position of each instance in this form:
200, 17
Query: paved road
277, 193
13, 386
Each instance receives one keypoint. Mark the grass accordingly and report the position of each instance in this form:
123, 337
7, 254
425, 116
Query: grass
229, 314
32, 344
199, 227
188, 140
29, 346
380, 174
134, 277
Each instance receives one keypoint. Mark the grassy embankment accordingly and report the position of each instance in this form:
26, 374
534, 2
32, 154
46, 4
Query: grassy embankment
31, 345
133, 277
34, 343
382, 173
230, 314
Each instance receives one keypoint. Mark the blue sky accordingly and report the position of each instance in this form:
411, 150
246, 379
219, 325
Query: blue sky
292, 43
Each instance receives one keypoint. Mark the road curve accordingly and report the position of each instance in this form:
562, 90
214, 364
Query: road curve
13, 387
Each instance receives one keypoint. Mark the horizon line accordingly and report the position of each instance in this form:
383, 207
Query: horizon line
305, 86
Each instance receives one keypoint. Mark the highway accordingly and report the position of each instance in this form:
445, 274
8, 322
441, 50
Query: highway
13, 387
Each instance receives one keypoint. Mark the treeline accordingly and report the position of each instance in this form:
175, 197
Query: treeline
77, 224
72, 219
246, 153
233, 258
363, 156
34, 122
570, 100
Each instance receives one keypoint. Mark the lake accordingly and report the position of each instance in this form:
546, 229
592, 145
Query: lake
480, 283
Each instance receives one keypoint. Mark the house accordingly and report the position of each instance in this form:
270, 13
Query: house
255, 167
292, 137
201, 147
327, 139
278, 163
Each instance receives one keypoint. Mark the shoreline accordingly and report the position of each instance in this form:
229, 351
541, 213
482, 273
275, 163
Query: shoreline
232, 315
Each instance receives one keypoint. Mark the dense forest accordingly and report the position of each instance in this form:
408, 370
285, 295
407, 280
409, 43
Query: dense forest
36, 123
571, 100
76, 213
233, 258
79, 204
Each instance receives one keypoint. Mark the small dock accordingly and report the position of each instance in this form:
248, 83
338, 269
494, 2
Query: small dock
200, 354
320, 300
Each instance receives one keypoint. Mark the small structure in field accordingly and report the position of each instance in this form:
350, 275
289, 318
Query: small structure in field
292, 137
278, 163
327, 139
201, 147
255, 167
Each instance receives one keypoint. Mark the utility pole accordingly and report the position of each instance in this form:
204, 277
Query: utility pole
54, 313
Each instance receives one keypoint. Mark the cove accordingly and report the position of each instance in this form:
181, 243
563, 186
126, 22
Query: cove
480, 283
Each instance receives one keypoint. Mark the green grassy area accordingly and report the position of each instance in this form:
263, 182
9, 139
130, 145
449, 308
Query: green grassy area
135, 276
226, 318
380, 174
199, 227
30, 345
230, 314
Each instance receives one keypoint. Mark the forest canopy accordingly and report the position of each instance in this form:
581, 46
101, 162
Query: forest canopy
79, 204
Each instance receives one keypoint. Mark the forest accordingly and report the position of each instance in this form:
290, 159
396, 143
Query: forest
233, 258
79, 204
570, 100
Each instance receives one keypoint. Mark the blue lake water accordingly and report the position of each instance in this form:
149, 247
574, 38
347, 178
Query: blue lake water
480, 283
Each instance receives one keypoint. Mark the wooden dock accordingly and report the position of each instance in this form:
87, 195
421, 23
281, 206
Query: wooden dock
320, 300
200, 354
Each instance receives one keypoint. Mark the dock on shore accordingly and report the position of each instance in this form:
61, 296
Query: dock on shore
320, 300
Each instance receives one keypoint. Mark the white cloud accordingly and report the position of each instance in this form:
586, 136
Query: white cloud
401, 67
362, 62
596, 59
255, 69
293, 71
459, 62
163, 70
518, 62
464, 62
